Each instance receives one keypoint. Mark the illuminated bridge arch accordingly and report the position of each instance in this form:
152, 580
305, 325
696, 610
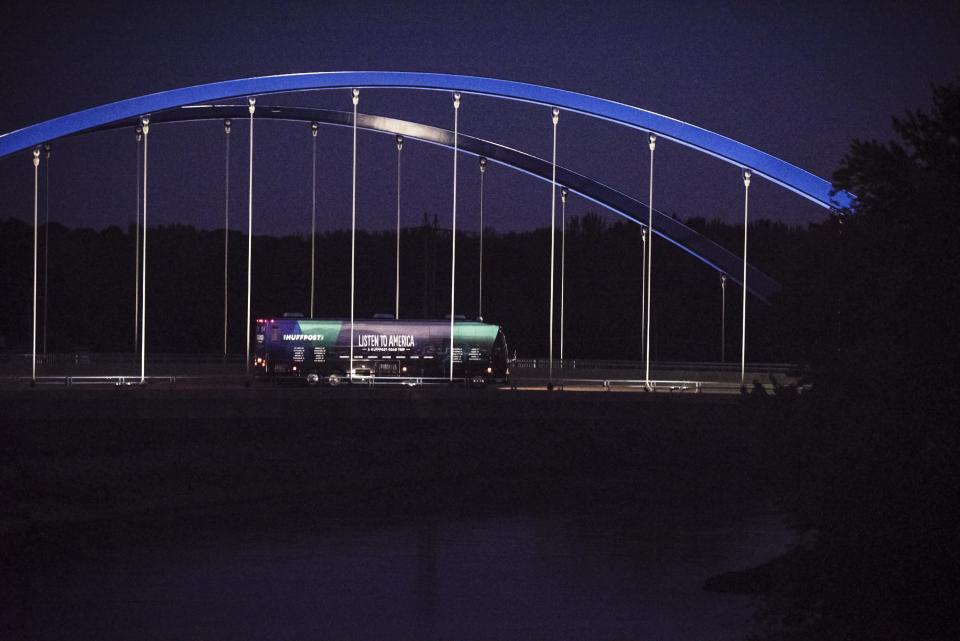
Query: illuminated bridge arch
664, 225
774, 169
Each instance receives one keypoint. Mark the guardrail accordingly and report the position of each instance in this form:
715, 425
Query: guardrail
92, 368
84, 358
134, 379
609, 384
525, 383
86, 364
123, 380
581, 363
413, 381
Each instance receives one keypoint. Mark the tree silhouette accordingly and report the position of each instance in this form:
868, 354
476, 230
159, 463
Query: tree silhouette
877, 485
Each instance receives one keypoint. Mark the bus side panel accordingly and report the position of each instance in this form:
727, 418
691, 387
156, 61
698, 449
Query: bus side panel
397, 348
296, 347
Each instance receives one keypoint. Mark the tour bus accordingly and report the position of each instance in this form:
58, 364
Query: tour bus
318, 350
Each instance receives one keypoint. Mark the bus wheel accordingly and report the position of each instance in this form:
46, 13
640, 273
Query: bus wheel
333, 380
312, 379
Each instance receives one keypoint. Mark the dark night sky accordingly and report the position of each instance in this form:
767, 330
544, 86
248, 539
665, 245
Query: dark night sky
798, 80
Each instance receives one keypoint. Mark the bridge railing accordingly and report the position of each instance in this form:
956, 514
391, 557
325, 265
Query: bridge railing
786, 369
86, 363
84, 367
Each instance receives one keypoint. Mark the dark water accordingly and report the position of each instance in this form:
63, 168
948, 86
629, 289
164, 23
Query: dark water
495, 578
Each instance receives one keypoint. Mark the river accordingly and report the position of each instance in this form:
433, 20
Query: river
498, 577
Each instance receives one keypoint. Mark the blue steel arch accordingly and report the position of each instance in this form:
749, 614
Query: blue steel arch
667, 227
770, 167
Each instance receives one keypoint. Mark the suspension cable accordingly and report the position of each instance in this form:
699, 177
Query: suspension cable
145, 125
226, 228
46, 244
643, 290
36, 189
563, 262
743, 337
652, 139
136, 254
396, 310
314, 130
355, 97
553, 213
251, 107
723, 318
453, 229
483, 170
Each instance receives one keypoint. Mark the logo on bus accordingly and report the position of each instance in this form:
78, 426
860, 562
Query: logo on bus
303, 337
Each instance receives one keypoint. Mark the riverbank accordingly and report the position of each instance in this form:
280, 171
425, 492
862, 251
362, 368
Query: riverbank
101, 455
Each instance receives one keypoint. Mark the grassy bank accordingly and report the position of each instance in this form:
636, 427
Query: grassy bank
72, 457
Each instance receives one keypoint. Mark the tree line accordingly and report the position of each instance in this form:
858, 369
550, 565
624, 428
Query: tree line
91, 285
